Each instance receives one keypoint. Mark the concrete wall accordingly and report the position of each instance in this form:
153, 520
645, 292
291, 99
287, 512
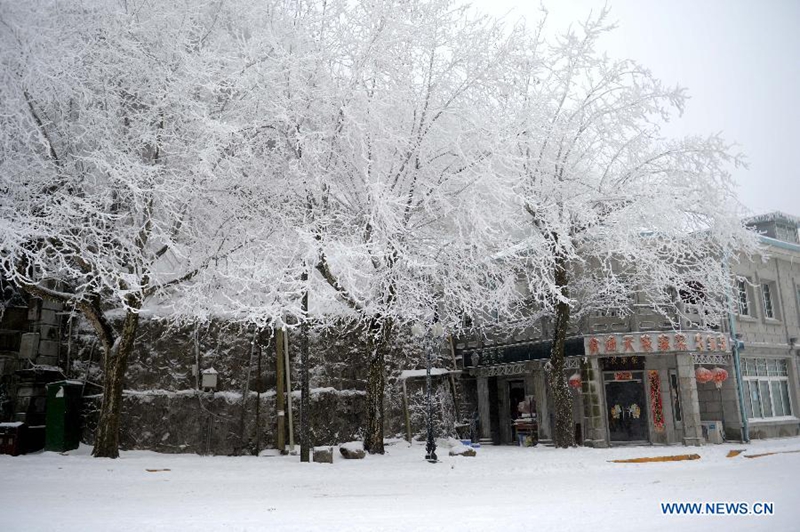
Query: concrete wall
726, 409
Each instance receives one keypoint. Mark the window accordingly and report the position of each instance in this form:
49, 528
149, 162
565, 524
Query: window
607, 313
744, 308
767, 290
766, 388
786, 233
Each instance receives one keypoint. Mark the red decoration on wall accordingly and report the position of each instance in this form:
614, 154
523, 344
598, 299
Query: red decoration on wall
655, 400
699, 344
703, 375
611, 344
646, 343
680, 343
719, 376
623, 376
663, 342
594, 346
712, 343
627, 341
575, 381
723, 346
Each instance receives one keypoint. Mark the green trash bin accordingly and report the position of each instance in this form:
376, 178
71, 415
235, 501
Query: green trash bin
63, 418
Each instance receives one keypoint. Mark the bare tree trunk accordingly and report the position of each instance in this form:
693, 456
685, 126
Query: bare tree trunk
563, 432
377, 341
106, 444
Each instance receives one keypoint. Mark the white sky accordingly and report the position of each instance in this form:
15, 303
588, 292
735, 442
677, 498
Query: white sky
740, 61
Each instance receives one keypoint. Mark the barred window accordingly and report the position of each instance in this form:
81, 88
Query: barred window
744, 308
766, 388
767, 292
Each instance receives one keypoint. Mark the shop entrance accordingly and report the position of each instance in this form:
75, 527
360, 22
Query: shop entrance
516, 395
626, 406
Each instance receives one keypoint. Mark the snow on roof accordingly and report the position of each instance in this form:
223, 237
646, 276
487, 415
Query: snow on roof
774, 216
209, 371
779, 243
410, 373
12, 424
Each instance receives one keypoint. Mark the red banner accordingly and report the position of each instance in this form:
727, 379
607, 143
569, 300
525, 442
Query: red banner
655, 400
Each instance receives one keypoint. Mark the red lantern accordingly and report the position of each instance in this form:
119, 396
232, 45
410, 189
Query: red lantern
575, 381
719, 375
703, 375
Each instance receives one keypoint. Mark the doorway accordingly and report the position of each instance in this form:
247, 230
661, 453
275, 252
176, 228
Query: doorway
626, 406
516, 395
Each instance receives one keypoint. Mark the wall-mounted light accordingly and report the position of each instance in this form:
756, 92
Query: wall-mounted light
209, 379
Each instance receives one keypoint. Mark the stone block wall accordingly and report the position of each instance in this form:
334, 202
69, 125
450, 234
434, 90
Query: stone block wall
164, 410
192, 421
594, 412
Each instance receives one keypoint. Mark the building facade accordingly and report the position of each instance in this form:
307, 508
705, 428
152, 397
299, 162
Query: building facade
637, 378
766, 321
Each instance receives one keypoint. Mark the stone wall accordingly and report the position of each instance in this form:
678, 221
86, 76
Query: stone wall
165, 411
192, 421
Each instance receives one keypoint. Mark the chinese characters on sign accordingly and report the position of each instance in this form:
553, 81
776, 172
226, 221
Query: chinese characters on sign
680, 343
645, 343
666, 342
611, 344
594, 346
628, 341
663, 342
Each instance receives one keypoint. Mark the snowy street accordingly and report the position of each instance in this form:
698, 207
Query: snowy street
503, 488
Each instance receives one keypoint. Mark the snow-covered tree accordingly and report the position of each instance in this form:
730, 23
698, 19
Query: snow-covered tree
381, 122
126, 154
403, 220
613, 206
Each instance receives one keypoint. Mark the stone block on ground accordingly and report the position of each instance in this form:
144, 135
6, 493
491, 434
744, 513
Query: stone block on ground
353, 450
462, 450
323, 455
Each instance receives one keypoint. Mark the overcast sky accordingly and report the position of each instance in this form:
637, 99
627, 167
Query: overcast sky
740, 62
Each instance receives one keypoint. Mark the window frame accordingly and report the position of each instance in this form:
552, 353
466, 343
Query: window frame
743, 298
768, 293
765, 374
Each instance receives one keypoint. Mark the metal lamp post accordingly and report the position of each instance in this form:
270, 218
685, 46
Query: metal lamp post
428, 337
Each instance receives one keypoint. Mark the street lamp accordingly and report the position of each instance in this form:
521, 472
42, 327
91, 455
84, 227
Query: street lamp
429, 337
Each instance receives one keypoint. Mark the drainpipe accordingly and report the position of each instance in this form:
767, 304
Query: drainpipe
737, 366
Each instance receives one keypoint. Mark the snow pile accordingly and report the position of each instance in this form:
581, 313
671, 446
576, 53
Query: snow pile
352, 446
410, 373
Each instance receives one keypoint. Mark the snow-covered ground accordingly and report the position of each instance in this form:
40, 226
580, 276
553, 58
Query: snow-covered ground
503, 488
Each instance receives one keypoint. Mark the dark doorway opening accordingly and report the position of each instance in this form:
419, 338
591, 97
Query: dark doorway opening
516, 395
494, 410
626, 406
